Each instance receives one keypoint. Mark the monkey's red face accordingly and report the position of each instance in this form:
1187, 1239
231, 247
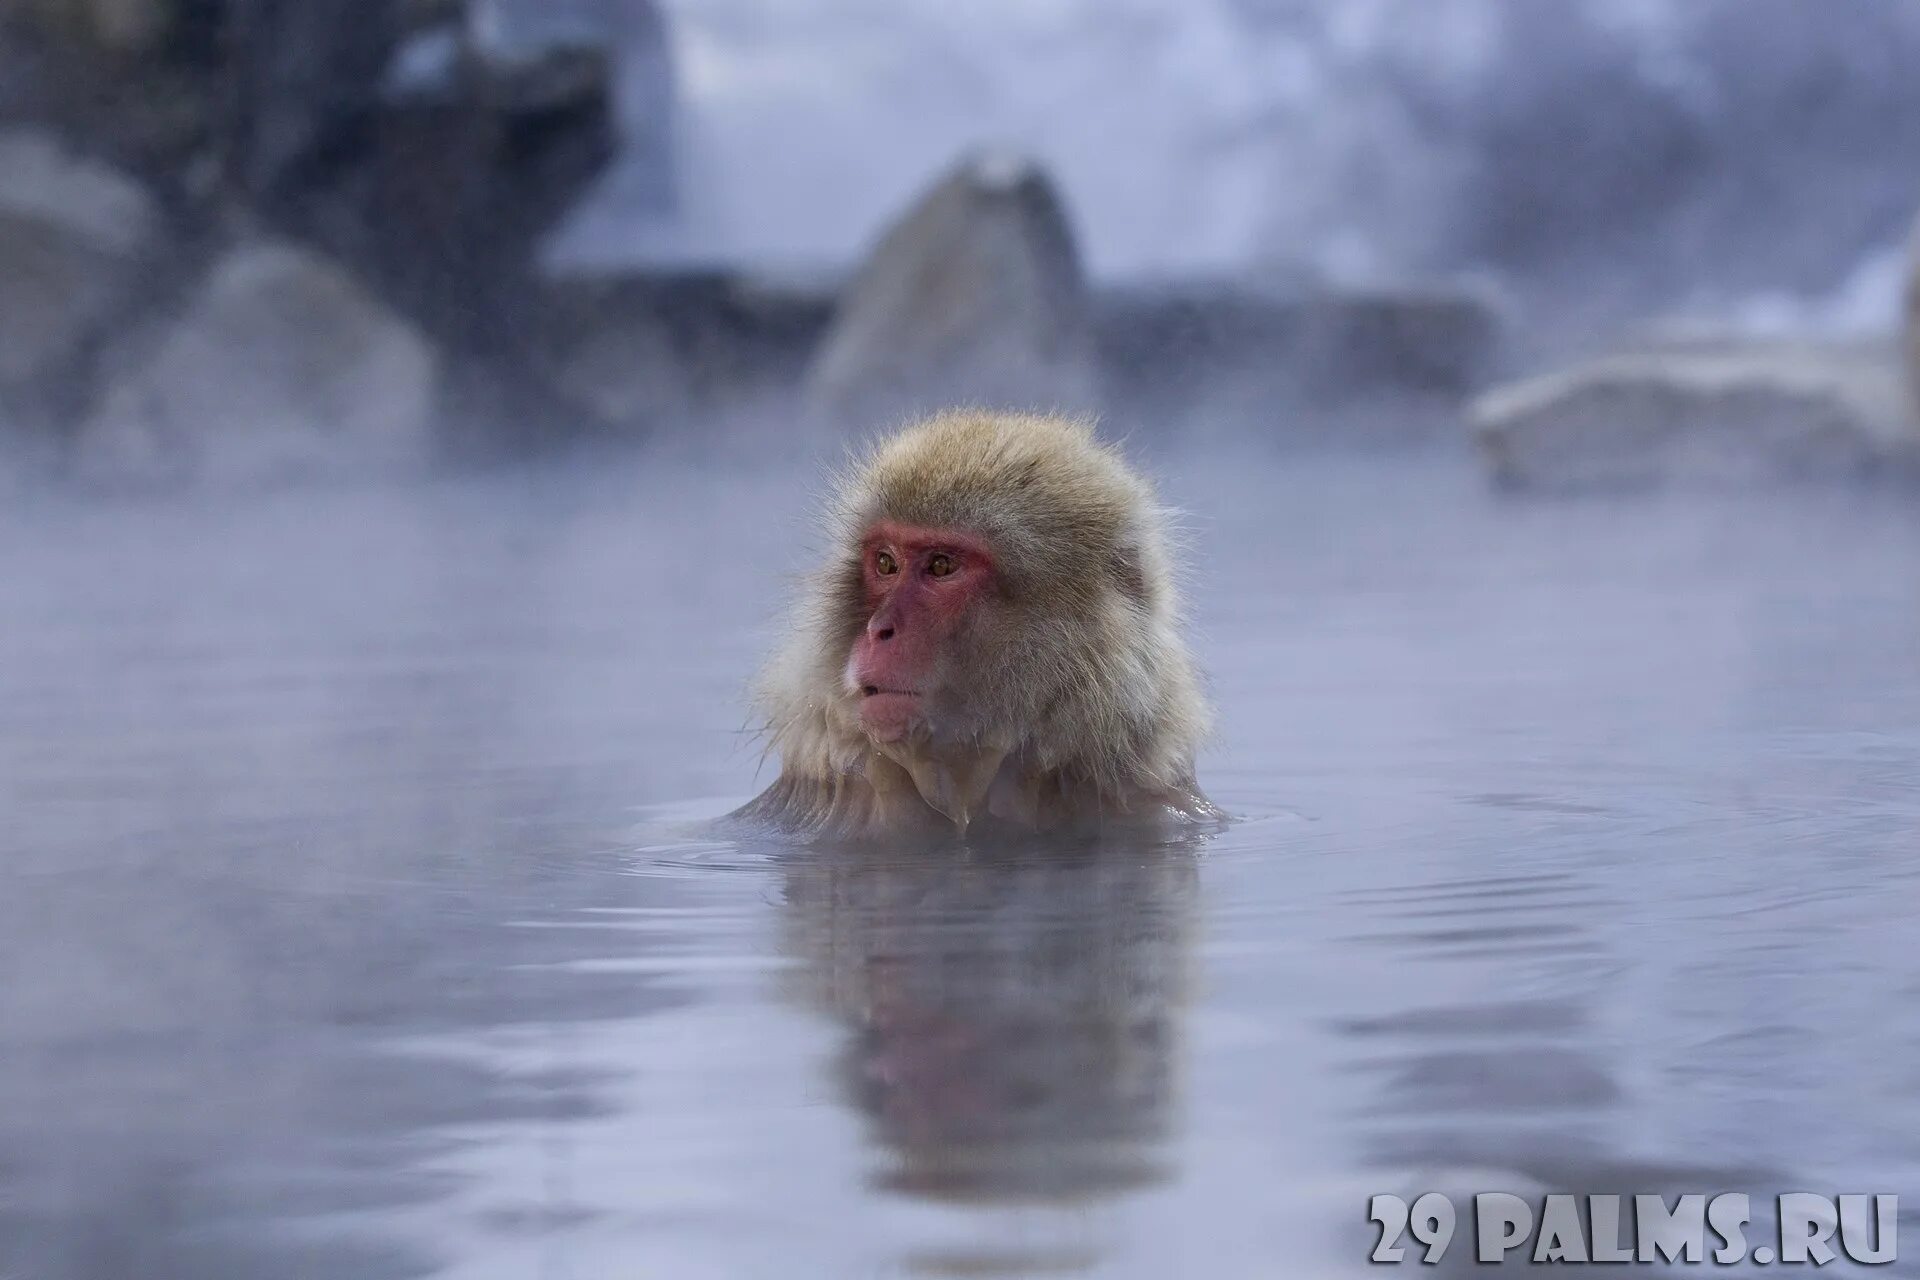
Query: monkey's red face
922, 586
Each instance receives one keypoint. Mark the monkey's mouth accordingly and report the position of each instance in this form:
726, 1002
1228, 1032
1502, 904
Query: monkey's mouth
888, 714
875, 691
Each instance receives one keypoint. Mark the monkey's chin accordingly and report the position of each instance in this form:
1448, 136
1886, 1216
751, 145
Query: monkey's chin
891, 717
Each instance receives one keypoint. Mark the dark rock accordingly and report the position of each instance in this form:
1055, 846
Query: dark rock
119, 27
640, 347
137, 101
1281, 356
302, 79
1413, 338
1910, 319
975, 296
403, 137
432, 166
77, 240
425, 146
1166, 345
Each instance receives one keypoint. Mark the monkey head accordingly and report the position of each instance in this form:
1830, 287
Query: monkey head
999, 614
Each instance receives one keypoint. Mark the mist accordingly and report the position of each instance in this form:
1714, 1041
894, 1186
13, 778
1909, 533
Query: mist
414, 421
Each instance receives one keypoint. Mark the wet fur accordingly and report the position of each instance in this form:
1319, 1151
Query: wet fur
1082, 705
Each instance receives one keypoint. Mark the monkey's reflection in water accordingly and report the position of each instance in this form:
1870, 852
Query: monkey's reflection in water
1014, 1018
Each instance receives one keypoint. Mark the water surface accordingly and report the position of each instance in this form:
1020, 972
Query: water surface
358, 918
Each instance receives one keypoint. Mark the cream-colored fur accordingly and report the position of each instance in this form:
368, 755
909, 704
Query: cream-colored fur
1082, 704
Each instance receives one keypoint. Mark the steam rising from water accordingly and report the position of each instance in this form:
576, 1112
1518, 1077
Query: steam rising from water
1699, 152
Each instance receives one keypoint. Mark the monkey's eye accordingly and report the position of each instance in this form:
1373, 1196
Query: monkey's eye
940, 566
885, 564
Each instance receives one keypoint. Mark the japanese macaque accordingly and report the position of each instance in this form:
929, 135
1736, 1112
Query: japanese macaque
996, 640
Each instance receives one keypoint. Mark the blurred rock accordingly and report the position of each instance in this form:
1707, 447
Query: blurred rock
641, 187
119, 27
427, 144
975, 296
75, 237
282, 368
1254, 354
1910, 319
623, 363
1167, 346
1703, 415
642, 347
133, 96
432, 163
1415, 338
428, 148
305, 79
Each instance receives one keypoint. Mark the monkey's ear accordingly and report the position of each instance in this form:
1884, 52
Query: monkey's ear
1130, 575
